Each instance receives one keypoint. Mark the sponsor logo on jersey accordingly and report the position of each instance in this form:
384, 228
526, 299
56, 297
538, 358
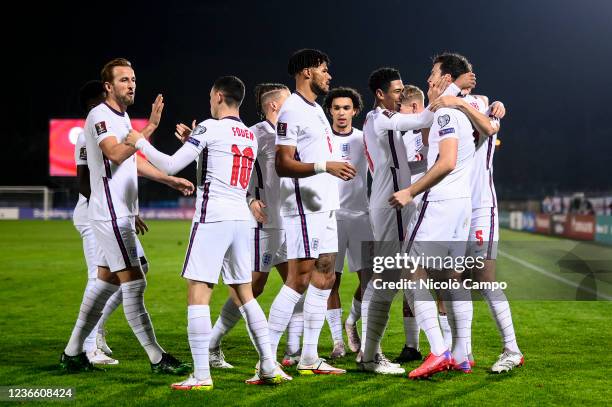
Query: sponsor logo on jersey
446, 131
193, 141
443, 120
345, 149
266, 259
83, 154
388, 113
315, 245
101, 128
199, 130
281, 129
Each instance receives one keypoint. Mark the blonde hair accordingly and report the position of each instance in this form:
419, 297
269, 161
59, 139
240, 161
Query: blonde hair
412, 93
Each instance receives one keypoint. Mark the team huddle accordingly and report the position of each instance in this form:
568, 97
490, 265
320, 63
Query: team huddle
296, 193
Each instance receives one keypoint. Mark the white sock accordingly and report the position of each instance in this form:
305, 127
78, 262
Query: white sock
315, 305
280, 314
355, 313
138, 318
334, 320
500, 310
378, 316
446, 331
426, 314
229, 316
365, 304
411, 331
111, 305
258, 330
90, 342
295, 328
460, 313
89, 315
198, 331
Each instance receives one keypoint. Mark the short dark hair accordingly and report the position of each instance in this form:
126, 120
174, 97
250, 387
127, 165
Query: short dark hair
263, 90
453, 64
232, 88
107, 74
343, 92
306, 58
91, 90
382, 78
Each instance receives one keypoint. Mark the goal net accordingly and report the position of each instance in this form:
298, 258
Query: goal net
16, 198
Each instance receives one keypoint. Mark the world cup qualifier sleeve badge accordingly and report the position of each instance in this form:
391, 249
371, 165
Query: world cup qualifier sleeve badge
100, 128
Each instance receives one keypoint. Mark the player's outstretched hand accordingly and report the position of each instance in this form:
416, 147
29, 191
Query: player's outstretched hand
342, 170
257, 209
183, 131
498, 110
466, 80
401, 198
181, 184
445, 101
133, 137
436, 89
141, 227
156, 111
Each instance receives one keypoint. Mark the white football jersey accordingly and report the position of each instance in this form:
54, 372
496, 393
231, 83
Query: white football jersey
303, 124
114, 188
483, 189
79, 216
265, 184
451, 123
417, 155
386, 151
353, 194
226, 154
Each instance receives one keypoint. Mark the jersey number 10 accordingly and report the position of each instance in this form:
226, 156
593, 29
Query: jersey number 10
242, 166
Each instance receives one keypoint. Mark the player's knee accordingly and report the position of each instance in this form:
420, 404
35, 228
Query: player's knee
325, 263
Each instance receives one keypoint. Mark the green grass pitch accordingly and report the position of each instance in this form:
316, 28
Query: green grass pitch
42, 275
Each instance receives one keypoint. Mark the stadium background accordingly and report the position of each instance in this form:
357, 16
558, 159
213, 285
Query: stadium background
548, 61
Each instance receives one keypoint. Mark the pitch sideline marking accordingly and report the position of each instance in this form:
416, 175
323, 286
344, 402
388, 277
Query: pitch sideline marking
554, 276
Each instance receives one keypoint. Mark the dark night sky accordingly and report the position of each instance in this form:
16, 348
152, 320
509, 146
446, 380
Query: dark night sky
549, 61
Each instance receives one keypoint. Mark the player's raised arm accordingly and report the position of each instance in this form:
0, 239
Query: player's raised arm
406, 121
485, 125
155, 118
147, 170
168, 164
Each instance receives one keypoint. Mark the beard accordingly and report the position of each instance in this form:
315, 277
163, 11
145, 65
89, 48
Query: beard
126, 100
318, 90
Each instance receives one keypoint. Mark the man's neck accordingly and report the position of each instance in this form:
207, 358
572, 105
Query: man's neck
120, 107
348, 129
382, 106
228, 111
303, 88
272, 117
